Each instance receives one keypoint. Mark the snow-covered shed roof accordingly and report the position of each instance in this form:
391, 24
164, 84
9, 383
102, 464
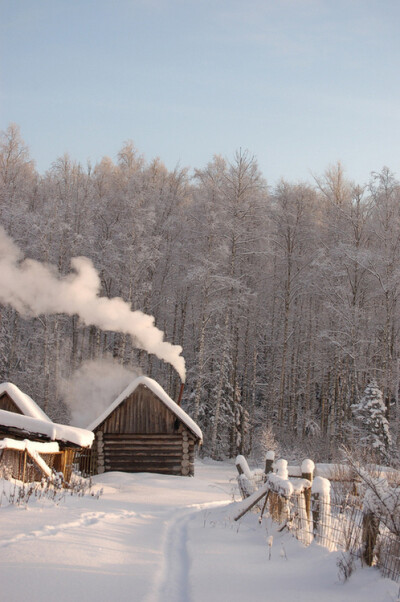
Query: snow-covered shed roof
34, 449
162, 396
47, 428
23, 402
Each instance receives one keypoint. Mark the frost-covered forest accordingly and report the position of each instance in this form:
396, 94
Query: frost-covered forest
284, 298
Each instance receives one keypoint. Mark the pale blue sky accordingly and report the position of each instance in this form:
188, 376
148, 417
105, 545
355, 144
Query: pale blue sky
299, 83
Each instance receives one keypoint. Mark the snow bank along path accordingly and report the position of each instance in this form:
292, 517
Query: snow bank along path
156, 538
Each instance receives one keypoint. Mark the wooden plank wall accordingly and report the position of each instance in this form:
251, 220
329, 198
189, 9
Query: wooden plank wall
142, 412
6, 403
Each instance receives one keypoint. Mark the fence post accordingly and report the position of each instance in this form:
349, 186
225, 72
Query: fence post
321, 509
370, 524
244, 477
307, 472
315, 512
269, 462
281, 504
24, 467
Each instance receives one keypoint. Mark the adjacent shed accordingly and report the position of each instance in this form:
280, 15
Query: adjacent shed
29, 440
144, 430
12, 399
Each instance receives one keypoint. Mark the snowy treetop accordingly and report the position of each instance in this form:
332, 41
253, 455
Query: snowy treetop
162, 396
25, 403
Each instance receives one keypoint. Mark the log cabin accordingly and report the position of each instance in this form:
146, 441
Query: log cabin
144, 430
31, 445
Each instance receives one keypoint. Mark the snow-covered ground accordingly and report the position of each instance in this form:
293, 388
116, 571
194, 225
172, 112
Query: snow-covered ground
155, 538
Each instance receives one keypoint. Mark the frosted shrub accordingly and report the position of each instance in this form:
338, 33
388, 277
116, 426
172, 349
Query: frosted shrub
383, 501
264, 441
13, 492
345, 564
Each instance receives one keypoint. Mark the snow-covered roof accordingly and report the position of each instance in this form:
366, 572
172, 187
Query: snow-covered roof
55, 432
43, 447
33, 448
162, 396
23, 402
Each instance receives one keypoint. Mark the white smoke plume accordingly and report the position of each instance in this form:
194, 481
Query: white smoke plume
34, 288
93, 387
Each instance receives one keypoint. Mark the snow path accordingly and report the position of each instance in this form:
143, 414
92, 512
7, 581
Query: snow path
153, 538
173, 580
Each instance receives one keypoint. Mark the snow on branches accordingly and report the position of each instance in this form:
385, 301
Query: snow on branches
371, 424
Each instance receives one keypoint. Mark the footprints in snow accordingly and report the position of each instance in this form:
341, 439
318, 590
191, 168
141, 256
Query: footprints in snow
86, 520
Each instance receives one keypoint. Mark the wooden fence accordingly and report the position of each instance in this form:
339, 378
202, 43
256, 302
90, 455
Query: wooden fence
86, 462
303, 504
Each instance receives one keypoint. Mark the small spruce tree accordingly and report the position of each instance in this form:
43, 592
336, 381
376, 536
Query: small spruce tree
372, 426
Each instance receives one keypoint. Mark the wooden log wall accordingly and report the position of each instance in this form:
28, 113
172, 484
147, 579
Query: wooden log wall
147, 453
143, 435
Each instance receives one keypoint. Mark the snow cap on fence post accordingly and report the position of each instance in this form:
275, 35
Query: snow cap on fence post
307, 472
281, 469
307, 467
321, 486
321, 495
242, 466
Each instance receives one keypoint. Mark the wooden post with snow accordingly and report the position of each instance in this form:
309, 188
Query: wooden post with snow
307, 472
269, 462
244, 477
279, 509
370, 530
269, 467
321, 509
315, 513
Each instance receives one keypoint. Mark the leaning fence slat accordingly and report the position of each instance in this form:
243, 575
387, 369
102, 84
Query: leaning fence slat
251, 501
264, 505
